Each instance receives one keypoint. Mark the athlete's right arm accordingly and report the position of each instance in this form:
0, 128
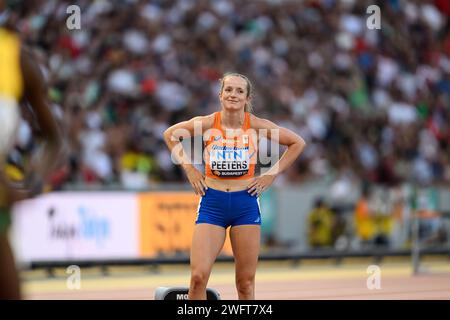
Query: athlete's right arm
184, 130
35, 94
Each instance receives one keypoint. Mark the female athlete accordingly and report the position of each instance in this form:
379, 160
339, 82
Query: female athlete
229, 190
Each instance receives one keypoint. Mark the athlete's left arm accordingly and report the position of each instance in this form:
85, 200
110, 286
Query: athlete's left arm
295, 146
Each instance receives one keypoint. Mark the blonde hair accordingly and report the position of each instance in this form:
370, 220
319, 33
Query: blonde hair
248, 106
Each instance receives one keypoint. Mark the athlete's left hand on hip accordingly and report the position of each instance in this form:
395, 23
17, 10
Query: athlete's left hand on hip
260, 184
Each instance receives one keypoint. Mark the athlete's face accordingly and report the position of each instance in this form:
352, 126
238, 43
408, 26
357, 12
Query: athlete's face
234, 93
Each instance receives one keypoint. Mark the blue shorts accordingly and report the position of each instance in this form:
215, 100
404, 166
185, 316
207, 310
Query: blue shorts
228, 208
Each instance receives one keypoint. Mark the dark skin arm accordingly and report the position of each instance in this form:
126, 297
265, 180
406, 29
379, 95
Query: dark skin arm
36, 95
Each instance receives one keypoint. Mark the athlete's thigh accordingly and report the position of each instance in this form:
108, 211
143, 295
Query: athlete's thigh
207, 242
245, 241
9, 278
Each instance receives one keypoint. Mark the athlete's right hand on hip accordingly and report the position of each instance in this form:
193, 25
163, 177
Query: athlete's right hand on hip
197, 181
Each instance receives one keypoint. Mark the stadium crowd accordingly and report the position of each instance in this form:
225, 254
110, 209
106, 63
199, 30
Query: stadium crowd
372, 104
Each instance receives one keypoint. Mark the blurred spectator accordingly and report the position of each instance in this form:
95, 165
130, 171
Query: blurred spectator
135, 168
364, 226
320, 225
374, 217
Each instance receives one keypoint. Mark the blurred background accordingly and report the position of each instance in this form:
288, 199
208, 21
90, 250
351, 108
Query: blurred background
373, 106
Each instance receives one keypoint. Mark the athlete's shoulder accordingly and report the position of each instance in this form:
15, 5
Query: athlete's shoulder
209, 117
261, 123
27, 53
207, 120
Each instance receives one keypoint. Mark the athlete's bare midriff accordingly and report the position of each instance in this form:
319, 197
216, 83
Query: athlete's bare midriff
228, 185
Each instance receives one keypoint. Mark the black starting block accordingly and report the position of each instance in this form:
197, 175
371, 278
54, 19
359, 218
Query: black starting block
181, 293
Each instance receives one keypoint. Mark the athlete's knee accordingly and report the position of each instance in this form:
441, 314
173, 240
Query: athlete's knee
245, 285
199, 278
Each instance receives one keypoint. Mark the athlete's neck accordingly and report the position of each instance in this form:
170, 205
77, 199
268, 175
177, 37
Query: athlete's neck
232, 119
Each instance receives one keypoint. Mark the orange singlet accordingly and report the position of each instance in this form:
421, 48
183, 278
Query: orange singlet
230, 156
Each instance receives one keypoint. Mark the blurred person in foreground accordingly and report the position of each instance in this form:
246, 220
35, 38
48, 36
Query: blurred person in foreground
229, 189
20, 81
